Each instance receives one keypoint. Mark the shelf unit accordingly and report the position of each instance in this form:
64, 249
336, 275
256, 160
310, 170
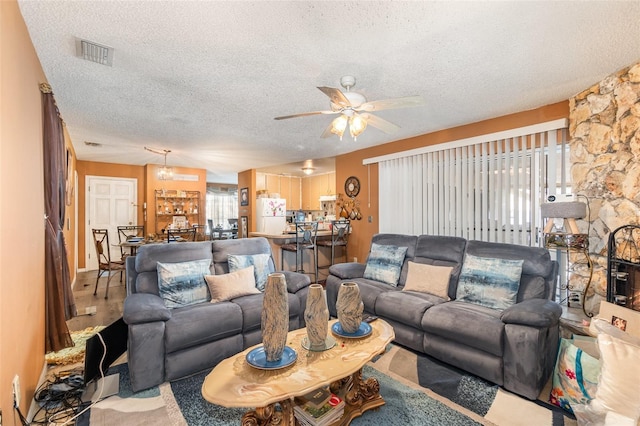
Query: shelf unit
623, 267
574, 248
174, 203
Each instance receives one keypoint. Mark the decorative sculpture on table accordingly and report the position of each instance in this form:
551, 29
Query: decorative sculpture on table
349, 307
275, 317
316, 316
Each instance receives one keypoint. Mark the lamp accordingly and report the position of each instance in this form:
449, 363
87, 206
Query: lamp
338, 125
307, 167
164, 172
357, 124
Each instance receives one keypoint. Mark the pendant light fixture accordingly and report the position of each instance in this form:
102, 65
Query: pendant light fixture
164, 172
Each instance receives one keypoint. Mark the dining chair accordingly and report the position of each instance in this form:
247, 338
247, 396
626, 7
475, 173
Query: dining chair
105, 264
340, 230
184, 234
125, 233
306, 236
210, 225
200, 232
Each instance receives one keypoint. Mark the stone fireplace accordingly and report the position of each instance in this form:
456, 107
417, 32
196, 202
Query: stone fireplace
604, 123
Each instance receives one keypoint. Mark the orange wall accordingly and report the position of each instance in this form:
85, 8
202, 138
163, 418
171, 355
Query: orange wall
152, 183
247, 179
147, 183
21, 213
92, 168
351, 164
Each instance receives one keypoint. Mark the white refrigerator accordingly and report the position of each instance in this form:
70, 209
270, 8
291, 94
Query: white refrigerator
271, 215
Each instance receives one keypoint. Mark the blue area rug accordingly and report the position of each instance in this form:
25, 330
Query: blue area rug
404, 406
466, 389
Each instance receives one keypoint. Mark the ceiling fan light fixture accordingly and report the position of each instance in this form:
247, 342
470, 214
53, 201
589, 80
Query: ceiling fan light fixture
338, 125
357, 124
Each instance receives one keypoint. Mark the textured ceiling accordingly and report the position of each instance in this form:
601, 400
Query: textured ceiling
206, 78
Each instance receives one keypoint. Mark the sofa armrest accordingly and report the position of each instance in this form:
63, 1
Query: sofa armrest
347, 271
143, 307
296, 281
533, 312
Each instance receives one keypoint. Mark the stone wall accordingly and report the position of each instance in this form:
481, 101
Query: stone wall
604, 127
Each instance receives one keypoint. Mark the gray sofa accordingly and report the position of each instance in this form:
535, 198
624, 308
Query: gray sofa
514, 348
167, 344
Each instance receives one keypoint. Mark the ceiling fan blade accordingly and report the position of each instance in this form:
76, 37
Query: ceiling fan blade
336, 96
407, 102
380, 123
327, 132
305, 114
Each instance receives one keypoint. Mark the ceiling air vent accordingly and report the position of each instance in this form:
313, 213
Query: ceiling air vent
94, 52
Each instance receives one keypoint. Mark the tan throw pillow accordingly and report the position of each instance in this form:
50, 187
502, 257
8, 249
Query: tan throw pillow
234, 284
430, 279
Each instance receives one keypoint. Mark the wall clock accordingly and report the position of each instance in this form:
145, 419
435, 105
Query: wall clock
352, 186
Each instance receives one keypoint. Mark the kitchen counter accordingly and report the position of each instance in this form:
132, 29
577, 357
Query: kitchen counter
276, 240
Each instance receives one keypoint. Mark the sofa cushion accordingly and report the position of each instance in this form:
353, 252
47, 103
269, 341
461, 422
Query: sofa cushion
369, 292
489, 282
234, 284
406, 308
260, 262
251, 307
384, 263
442, 250
399, 240
241, 246
472, 325
198, 324
182, 283
425, 278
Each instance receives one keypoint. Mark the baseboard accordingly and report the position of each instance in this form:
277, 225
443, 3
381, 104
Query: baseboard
34, 406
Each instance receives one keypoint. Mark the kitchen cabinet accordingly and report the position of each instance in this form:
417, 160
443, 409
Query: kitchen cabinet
307, 193
292, 187
289, 188
315, 186
273, 185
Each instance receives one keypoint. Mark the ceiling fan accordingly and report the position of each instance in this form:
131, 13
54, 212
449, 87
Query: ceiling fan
355, 110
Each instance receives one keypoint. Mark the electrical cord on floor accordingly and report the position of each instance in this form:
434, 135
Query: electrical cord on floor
62, 395
61, 399
23, 421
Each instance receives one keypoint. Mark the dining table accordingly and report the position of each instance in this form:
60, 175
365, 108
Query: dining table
134, 243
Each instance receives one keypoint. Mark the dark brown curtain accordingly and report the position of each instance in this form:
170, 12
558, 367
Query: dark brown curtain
59, 303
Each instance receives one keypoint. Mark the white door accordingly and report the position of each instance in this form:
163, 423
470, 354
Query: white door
111, 202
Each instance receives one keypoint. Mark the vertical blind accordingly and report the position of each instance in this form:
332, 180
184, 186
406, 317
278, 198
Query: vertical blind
485, 188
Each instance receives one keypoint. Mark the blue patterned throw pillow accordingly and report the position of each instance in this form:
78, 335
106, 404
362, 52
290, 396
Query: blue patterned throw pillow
181, 284
385, 263
260, 264
489, 282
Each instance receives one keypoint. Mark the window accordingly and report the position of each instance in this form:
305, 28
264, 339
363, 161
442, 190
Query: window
485, 188
222, 205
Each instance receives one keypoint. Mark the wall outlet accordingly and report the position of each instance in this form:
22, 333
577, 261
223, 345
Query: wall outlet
15, 384
355, 259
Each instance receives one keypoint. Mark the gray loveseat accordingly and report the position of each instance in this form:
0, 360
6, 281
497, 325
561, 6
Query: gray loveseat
167, 344
514, 348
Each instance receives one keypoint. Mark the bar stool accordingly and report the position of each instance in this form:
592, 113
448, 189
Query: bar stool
340, 230
306, 235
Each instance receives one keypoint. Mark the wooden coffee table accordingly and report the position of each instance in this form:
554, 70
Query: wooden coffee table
235, 383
